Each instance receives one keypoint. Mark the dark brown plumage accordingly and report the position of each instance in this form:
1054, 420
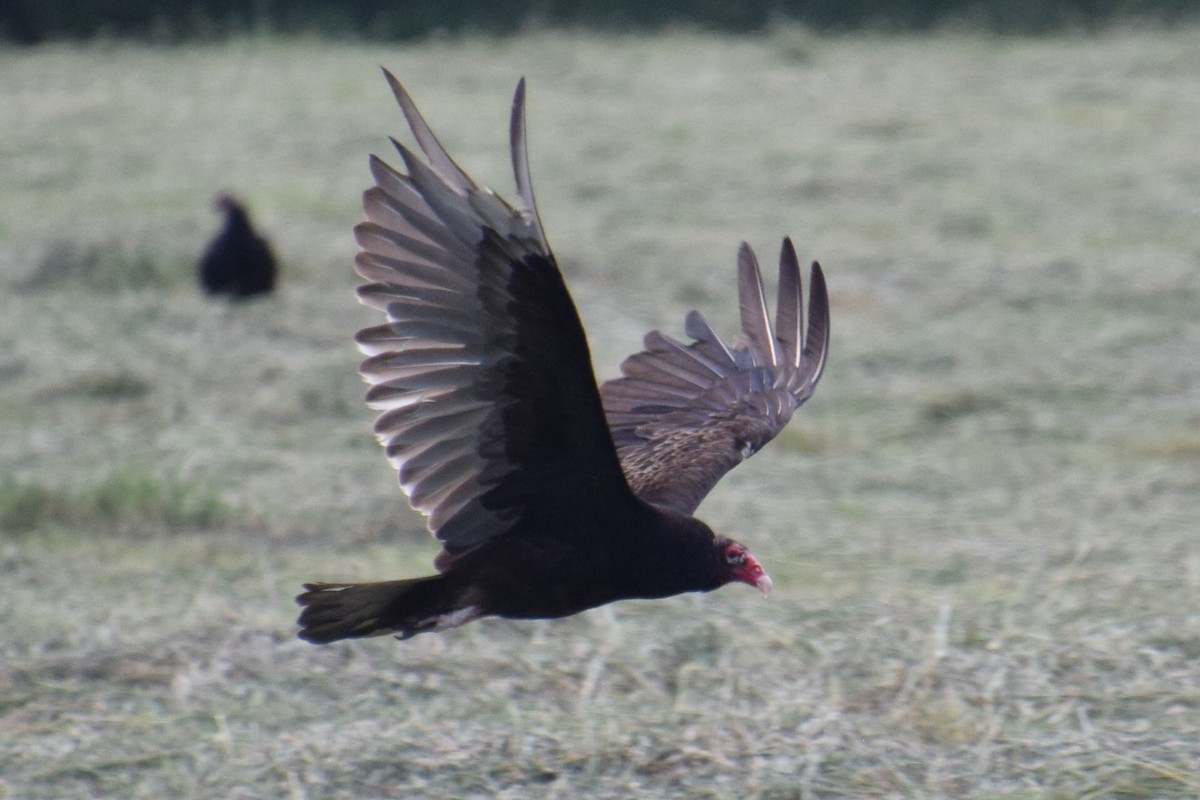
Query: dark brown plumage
237, 262
550, 495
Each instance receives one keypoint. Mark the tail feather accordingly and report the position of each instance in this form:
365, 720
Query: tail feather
404, 608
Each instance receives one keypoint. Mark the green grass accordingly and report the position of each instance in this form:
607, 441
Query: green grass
981, 529
132, 498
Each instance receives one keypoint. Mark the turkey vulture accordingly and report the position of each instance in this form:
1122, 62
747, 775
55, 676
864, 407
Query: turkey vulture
550, 495
237, 262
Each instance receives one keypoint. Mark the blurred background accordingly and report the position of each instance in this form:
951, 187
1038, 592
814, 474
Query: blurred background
29, 22
982, 528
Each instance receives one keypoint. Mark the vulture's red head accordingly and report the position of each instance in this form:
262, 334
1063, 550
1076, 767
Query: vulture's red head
226, 203
739, 564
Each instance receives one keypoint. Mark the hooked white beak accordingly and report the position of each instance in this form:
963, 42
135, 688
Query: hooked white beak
764, 584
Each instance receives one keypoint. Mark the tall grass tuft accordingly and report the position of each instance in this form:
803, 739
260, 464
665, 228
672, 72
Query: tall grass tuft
105, 267
132, 498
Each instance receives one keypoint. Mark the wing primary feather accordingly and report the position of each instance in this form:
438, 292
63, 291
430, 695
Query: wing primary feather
697, 327
752, 303
520, 159
816, 340
441, 198
441, 161
397, 214
381, 207
789, 305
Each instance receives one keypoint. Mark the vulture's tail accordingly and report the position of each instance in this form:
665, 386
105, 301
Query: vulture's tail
334, 611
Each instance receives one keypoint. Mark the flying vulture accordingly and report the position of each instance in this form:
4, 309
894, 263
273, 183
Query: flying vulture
237, 262
550, 495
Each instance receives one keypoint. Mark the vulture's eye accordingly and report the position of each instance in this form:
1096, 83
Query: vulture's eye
735, 556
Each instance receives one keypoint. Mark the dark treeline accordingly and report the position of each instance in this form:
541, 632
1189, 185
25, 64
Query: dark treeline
34, 21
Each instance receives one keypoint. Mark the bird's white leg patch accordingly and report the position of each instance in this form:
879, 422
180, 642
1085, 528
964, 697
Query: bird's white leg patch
456, 618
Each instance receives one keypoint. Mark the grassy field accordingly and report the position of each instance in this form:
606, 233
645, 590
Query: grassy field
983, 528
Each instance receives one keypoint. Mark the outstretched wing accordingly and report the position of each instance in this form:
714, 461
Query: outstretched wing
490, 409
684, 415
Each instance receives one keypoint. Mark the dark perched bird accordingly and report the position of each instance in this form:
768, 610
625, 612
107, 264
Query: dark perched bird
237, 262
549, 495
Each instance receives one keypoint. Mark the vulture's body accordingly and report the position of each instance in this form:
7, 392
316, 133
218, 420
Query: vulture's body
550, 495
237, 262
